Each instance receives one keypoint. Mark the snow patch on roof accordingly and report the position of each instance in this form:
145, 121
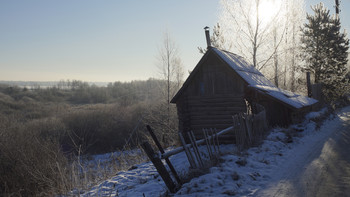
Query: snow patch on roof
295, 100
254, 79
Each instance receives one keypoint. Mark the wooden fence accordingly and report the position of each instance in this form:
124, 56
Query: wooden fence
172, 181
248, 130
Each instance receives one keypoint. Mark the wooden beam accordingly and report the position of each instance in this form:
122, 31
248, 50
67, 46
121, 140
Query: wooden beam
158, 164
172, 169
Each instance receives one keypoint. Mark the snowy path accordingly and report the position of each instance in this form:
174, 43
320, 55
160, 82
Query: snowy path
323, 169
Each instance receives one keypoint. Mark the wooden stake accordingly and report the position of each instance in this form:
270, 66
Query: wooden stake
217, 140
211, 151
172, 169
194, 149
213, 140
187, 151
158, 164
207, 143
196, 145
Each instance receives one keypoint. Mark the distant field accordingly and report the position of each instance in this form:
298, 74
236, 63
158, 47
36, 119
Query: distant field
44, 84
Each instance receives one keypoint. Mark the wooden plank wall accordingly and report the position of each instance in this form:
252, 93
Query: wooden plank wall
214, 112
277, 114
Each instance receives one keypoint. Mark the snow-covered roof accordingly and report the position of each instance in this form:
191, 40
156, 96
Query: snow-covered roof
258, 81
251, 75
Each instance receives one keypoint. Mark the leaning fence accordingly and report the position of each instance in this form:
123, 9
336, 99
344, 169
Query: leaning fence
172, 180
248, 130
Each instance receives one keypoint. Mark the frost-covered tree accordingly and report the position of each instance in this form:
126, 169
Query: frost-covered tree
290, 56
325, 51
265, 32
249, 26
217, 40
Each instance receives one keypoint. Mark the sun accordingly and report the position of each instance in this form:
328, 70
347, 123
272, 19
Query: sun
269, 10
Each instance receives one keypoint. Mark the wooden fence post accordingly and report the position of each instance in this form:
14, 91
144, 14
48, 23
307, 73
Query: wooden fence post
187, 151
157, 162
172, 169
308, 83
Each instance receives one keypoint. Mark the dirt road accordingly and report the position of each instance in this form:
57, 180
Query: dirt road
323, 170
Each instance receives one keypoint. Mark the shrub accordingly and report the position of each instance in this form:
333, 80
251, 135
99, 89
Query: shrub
101, 128
30, 164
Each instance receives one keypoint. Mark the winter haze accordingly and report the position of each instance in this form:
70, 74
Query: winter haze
103, 41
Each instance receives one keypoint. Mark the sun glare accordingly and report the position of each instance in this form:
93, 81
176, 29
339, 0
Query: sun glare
269, 10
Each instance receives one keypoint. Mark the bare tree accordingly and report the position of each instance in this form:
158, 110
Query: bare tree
171, 71
170, 66
259, 30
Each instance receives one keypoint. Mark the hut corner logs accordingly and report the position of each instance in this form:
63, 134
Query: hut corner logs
218, 88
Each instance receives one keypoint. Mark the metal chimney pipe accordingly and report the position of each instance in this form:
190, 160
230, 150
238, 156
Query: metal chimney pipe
207, 35
337, 10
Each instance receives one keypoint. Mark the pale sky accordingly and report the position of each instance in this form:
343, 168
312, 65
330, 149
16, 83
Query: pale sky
107, 41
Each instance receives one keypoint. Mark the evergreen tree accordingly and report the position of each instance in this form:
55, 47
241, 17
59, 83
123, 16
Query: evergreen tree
325, 51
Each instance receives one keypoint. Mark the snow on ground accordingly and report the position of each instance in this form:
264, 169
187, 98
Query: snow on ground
235, 174
144, 179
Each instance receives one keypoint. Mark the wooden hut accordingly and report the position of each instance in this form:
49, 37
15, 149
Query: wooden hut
219, 87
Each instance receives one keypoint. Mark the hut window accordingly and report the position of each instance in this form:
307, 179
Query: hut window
201, 88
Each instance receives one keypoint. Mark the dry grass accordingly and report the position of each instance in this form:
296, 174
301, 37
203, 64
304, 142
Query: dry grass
30, 164
46, 139
86, 173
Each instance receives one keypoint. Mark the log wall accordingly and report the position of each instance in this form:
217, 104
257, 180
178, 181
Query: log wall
215, 94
